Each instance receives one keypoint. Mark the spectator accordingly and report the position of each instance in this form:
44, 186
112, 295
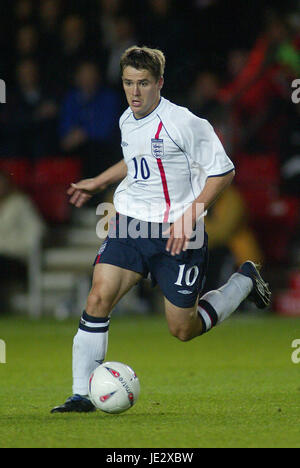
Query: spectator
23, 11
49, 25
31, 114
123, 37
203, 98
165, 28
236, 61
74, 41
73, 36
27, 43
203, 101
109, 9
21, 228
89, 120
59, 68
256, 93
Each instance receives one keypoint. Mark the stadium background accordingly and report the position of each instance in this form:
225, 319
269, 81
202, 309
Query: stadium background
230, 62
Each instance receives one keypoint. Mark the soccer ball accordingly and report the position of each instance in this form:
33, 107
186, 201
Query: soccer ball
114, 387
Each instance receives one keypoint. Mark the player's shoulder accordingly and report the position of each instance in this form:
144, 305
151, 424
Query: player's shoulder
183, 118
171, 109
126, 114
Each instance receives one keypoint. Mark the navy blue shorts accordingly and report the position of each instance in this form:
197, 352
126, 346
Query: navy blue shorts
180, 277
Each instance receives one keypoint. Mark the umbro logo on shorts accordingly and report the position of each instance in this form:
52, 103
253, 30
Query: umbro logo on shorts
124, 143
102, 248
184, 291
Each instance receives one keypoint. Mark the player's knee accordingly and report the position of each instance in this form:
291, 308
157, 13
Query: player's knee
182, 333
185, 336
98, 303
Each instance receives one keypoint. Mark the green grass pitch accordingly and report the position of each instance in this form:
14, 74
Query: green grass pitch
234, 387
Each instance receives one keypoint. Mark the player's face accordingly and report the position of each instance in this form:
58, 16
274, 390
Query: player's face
142, 90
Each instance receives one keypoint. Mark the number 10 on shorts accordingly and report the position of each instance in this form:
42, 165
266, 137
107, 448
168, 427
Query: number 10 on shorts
189, 277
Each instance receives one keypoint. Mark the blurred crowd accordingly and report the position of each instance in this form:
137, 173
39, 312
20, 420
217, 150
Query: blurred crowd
233, 66
60, 61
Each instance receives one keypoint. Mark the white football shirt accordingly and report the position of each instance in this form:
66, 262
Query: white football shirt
169, 155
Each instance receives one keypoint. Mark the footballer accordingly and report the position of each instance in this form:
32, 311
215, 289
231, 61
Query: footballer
173, 169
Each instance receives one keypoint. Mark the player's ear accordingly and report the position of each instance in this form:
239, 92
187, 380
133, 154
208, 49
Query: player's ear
160, 82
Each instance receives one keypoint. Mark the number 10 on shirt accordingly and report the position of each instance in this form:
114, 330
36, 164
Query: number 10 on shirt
143, 170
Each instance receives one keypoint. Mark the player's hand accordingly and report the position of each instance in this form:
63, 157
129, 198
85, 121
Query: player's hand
180, 233
83, 191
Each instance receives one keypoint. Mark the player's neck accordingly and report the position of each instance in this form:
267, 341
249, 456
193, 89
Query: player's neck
149, 111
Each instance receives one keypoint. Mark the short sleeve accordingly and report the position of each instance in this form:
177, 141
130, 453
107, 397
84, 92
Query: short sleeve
203, 146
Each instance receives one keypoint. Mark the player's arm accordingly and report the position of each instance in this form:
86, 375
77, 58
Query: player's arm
185, 225
213, 188
83, 190
198, 138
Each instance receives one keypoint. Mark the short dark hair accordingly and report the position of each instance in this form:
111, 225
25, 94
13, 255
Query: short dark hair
144, 58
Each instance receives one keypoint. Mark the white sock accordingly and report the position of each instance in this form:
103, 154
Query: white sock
89, 350
216, 306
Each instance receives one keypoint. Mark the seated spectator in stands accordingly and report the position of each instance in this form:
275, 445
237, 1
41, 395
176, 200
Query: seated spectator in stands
21, 228
123, 37
250, 86
74, 46
165, 28
256, 93
31, 115
203, 98
23, 12
49, 16
163, 24
234, 243
236, 61
89, 120
27, 43
109, 9
73, 36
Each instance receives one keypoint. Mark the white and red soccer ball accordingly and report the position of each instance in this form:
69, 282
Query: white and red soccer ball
114, 387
